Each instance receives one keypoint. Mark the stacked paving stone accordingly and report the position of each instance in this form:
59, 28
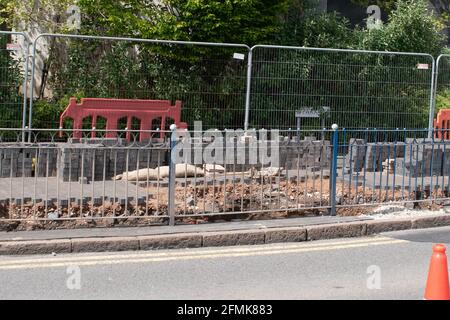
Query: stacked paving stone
307, 154
130, 159
15, 162
97, 161
425, 157
81, 161
371, 155
25, 163
71, 161
46, 157
8, 163
378, 153
356, 155
233, 156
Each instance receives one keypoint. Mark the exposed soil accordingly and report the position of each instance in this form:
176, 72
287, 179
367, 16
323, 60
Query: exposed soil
252, 201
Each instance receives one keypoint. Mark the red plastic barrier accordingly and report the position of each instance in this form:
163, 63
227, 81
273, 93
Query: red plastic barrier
114, 109
442, 124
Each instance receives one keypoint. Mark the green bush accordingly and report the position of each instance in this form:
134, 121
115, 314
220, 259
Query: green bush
411, 28
11, 80
362, 90
305, 26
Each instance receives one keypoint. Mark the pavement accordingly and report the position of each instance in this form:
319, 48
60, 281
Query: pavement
51, 188
208, 235
392, 265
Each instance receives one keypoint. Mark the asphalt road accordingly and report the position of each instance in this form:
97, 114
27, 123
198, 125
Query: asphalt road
389, 266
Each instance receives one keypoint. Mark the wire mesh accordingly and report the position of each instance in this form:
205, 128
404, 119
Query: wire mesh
13, 59
209, 80
361, 89
442, 92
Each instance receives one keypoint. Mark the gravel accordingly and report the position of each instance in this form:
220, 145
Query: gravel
399, 211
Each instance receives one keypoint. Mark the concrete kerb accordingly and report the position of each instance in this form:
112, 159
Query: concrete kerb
172, 241
221, 238
35, 247
105, 244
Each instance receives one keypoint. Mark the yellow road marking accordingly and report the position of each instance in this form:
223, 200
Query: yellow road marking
198, 251
206, 254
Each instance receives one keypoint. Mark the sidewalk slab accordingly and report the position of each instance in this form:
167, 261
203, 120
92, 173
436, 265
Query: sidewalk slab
211, 235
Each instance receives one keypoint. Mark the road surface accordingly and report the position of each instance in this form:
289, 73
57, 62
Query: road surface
389, 266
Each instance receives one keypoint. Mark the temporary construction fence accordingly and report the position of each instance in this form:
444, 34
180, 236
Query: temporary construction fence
296, 87
13, 78
232, 85
58, 180
209, 78
442, 83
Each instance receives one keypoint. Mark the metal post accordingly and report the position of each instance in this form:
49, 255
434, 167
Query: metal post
436, 84
172, 176
25, 78
25, 90
432, 101
249, 85
333, 173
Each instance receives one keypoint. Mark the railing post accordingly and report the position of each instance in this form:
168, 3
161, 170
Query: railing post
434, 75
172, 175
333, 173
248, 89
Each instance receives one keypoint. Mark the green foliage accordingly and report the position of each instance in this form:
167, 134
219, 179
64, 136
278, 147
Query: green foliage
46, 112
410, 28
375, 89
305, 26
232, 21
211, 89
211, 84
362, 90
443, 99
327, 31
11, 100
43, 15
387, 5
440, 7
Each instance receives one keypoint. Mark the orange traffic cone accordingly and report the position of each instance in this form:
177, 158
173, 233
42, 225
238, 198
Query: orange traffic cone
437, 282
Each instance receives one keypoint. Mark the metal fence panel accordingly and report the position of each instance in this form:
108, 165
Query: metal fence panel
66, 181
209, 79
59, 180
56, 178
442, 83
13, 82
362, 89
275, 176
376, 168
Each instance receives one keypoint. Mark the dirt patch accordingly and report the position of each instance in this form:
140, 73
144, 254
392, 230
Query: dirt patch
272, 199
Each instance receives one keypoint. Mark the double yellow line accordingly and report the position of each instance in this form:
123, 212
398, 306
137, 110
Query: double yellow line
193, 254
